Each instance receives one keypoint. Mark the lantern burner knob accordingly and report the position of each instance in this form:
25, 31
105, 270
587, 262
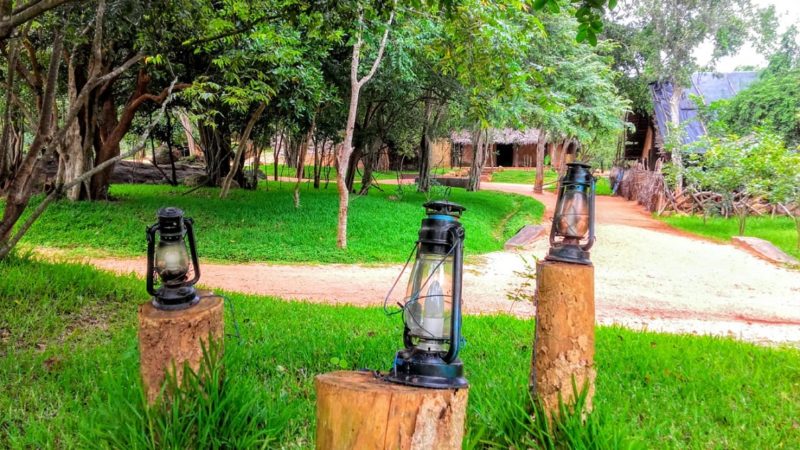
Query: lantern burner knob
444, 207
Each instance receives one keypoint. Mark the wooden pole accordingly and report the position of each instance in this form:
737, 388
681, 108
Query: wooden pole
563, 347
356, 410
174, 338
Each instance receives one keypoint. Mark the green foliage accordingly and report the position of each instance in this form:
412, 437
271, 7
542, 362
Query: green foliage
771, 101
741, 169
665, 391
266, 226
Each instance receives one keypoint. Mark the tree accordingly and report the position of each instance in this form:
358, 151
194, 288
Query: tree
669, 32
739, 170
356, 83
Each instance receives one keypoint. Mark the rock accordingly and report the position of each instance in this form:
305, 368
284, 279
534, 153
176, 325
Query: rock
525, 236
764, 249
195, 180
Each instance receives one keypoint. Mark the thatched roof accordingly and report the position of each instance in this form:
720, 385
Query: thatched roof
500, 136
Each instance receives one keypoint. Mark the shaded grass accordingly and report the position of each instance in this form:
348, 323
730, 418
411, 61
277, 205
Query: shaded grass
265, 225
308, 172
662, 391
780, 231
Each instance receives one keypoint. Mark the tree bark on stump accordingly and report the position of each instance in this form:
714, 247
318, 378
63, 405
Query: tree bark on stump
563, 347
176, 337
355, 410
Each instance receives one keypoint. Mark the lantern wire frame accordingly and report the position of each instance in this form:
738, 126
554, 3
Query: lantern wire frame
414, 299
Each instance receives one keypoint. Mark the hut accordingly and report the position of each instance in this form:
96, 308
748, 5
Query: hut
645, 143
510, 148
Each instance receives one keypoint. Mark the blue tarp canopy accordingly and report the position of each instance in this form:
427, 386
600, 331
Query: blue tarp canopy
709, 86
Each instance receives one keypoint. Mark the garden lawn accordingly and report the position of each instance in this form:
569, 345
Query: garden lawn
781, 231
528, 176
265, 225
69, 371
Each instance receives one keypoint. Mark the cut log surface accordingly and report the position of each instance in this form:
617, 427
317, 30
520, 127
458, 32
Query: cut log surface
564, 342
356, 410
176, 337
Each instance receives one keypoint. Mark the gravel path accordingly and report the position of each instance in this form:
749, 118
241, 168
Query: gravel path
648, 276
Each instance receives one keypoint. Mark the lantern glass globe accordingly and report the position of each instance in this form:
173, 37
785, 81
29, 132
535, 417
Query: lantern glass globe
429, 294
172, 261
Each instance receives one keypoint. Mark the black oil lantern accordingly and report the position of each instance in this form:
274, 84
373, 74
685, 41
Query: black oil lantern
168, 259
432, 307
572, 234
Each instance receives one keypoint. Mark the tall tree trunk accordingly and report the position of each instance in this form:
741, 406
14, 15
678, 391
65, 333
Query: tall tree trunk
301, 165
540, 148
479, 136
21, 188
237, 159
188, 129
424, 183
370, 162
343, 157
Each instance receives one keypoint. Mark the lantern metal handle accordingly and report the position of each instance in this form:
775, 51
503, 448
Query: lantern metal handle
455, 316
151, 245
590, 241
189, 224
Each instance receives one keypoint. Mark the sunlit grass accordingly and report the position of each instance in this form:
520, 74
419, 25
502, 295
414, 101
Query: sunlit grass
781, 231
69, 371
264, 225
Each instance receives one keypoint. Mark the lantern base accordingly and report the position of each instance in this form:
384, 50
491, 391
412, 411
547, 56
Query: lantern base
569, 254
172, 299
426, 369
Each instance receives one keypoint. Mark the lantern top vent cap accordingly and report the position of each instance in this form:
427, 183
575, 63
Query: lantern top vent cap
444, 207
170, 212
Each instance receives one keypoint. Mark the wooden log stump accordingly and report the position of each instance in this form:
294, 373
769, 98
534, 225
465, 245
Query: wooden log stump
170, 339
563, 346
356, 410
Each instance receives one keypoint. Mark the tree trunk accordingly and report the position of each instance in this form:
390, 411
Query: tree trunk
244, 137
563, 348
424, 183
540, 148
352, 167
356, 410
21, 188
301, 165
370, 162
215, 142
343, 158
478, 159
175, 340
188, 129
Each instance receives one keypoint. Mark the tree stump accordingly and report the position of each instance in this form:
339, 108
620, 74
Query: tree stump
170, 339
356, 410
563, 347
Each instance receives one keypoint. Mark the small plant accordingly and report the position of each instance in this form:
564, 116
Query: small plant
206, 410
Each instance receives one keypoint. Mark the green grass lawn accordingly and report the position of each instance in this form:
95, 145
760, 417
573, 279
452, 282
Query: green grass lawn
265, 226
780, 231
528, 176
69, 371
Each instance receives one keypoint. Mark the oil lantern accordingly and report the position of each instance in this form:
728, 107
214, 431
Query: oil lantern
170, 261
432, 305
572, 234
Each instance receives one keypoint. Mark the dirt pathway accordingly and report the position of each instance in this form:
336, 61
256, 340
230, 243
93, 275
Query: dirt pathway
648, 275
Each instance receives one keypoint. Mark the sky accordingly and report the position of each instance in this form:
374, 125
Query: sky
788, 12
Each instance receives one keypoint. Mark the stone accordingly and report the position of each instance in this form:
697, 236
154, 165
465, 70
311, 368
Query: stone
764, 249
525, 236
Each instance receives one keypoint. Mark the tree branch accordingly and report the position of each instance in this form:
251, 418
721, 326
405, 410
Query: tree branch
25, 13
378, 58
59, 190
